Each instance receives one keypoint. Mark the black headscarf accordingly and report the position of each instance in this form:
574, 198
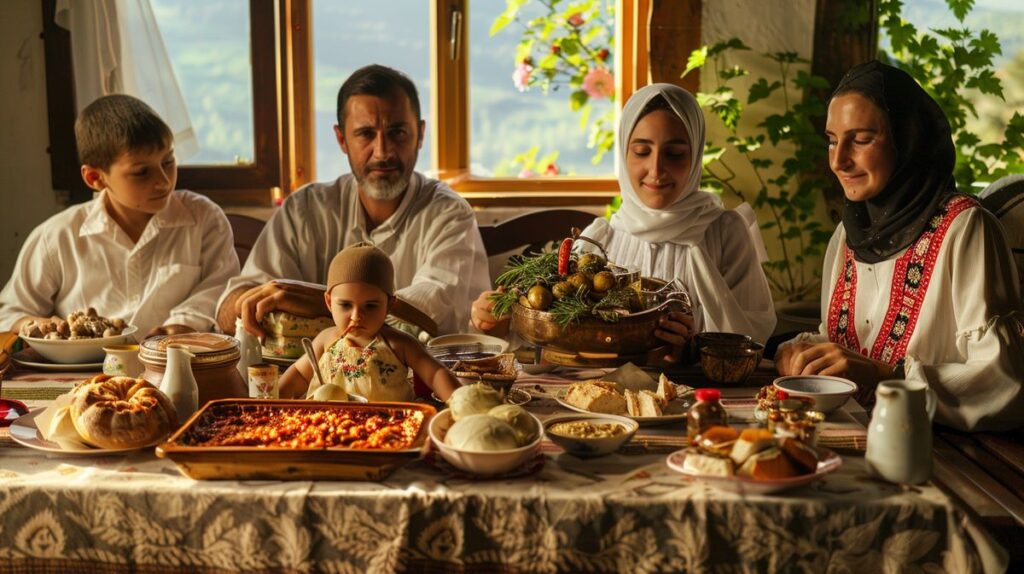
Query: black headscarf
884, 225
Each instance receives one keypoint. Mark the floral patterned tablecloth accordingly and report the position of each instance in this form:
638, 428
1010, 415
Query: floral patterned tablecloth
627, 512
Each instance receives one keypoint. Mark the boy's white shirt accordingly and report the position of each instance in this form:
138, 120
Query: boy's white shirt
81, 258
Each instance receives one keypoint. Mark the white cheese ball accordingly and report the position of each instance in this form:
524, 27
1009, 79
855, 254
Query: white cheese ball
481, 433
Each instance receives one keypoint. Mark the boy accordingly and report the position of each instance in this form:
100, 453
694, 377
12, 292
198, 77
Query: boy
139, 251
360, 353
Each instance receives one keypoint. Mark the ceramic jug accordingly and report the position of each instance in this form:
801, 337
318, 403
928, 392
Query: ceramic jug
249, 348
122, 361
900, 432
179, 384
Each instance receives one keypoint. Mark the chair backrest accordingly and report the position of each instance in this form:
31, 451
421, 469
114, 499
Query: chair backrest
1005, 198
246, 230
531, 231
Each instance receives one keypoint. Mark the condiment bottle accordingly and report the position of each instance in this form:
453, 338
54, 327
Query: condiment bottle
706, 412
179, 384
249, 348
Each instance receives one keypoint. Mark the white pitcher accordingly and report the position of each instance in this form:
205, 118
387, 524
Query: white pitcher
900, 432
179, 384
249, 349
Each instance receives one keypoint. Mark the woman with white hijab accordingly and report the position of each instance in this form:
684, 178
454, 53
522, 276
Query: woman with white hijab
670, 229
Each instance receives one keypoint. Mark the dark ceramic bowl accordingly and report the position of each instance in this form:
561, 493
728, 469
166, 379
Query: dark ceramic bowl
730, 363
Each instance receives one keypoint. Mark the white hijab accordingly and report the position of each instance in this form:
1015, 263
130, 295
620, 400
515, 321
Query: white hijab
686, 219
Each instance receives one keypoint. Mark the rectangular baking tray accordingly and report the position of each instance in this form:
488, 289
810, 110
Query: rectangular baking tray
282, 463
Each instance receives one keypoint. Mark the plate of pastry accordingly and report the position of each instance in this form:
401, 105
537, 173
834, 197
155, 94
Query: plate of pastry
25, 432
104, 415
752, 461
665, 405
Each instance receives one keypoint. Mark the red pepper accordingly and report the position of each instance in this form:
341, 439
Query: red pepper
563, 255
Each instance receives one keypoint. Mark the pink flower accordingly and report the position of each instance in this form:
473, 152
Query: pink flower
599, 83
576, 20
527, 173
521, 76
552, 169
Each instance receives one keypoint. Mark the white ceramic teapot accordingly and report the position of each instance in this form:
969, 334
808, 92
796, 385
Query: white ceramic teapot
900, 432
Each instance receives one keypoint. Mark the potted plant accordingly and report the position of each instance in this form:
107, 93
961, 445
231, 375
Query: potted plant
787, 191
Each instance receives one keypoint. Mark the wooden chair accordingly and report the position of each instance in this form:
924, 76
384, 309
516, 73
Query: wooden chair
246, 230
531, 231
1005, 199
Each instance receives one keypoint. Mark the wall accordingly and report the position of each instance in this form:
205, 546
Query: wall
765, 26
26, 194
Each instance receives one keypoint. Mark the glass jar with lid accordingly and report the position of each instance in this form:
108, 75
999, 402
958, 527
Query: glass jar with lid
706, 412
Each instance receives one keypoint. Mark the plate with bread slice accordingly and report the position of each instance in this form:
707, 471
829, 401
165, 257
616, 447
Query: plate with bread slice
752, 461
667, 404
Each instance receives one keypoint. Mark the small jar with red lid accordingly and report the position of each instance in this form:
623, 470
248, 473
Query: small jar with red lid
706, 412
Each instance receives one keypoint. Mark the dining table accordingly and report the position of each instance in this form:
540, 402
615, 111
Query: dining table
628, 511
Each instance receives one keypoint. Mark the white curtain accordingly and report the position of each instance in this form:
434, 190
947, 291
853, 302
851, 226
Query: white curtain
116, 47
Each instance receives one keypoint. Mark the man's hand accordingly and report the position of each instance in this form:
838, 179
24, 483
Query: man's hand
255, 303
172, 329
675, 328
482, 317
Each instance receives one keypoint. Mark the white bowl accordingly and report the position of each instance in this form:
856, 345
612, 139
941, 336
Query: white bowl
482, 463
591, 447
829, 393
77, 351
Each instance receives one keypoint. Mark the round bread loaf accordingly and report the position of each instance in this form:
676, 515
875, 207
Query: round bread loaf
121, 412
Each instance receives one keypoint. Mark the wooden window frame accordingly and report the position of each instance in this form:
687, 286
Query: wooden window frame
278, 30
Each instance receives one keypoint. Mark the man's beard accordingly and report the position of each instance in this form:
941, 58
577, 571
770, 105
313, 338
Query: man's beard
384, 188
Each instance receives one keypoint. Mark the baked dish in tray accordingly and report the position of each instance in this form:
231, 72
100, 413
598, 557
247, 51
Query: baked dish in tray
298, 440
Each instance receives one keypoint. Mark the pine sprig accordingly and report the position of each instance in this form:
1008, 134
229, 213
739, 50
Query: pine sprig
525, 271
503, 302
610, 307
571, 309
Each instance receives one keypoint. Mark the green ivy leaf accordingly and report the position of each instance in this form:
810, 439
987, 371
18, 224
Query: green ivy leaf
548, 62
570, 46
697, 59
733, 72
761, 89
960, 8
577, 99
987, 83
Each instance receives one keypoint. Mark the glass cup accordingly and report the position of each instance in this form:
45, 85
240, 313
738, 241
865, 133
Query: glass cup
263, 381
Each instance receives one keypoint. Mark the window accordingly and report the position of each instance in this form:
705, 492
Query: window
265, 109
345, 34
208, 44
241, 52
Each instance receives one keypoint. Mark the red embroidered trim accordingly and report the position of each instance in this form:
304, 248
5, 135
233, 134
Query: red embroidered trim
841, 326
910, 281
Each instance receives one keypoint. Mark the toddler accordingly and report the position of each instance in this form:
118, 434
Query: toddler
360, 353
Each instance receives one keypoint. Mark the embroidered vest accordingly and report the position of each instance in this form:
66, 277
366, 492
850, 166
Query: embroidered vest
909, 284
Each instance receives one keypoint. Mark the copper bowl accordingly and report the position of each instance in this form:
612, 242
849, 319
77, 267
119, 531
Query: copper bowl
632, 334
730, 363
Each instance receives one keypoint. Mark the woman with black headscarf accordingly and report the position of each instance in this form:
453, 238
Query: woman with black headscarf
918, 281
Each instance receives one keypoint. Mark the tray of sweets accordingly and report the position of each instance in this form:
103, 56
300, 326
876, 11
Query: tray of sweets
279, 439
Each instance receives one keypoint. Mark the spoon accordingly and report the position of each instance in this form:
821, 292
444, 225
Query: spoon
308, 346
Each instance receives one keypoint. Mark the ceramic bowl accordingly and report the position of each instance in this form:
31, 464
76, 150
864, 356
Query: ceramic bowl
730, 363
829, 393
465, 346
710, 338
69, 351
482, 463
591, 447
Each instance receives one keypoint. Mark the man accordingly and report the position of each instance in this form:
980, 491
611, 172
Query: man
427, 230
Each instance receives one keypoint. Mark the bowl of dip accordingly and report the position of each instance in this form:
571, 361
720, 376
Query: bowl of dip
589, 436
